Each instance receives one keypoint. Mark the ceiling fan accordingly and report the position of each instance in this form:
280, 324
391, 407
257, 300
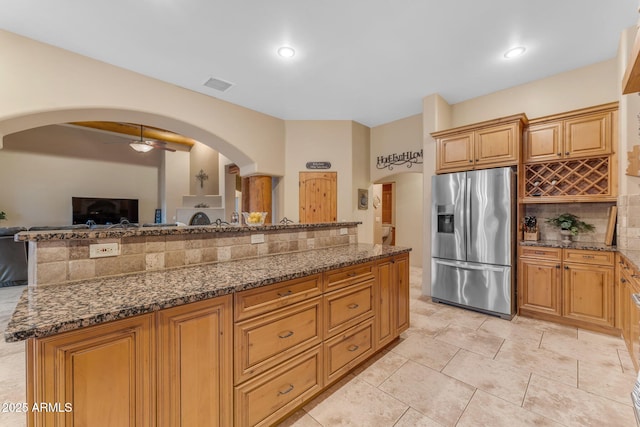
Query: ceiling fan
145, 145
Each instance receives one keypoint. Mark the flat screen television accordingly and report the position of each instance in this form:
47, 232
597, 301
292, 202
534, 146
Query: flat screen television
104, 210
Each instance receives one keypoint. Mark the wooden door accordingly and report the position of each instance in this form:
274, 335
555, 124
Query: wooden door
454, 153
318, 197
105, 373
195, 364
588, 293
496, 146
540, 286
544, 143
588, 136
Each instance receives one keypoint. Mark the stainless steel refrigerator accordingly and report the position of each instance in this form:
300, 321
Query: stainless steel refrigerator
473, 240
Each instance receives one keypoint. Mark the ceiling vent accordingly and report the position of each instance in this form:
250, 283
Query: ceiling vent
218, 84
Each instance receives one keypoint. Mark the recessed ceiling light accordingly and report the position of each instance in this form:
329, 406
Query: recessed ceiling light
514, 52
286, 52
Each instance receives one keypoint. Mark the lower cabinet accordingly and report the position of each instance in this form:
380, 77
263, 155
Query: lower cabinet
247, 359
195, 350
99, 376
570, 286
628, 286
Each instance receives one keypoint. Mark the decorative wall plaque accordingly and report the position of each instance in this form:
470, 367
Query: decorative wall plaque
396, 159
318, 165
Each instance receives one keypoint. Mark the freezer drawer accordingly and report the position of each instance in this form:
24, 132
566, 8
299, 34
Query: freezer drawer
488, 288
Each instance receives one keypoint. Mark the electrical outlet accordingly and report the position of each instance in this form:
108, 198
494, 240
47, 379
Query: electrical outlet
257, 238
101, 250
343, 231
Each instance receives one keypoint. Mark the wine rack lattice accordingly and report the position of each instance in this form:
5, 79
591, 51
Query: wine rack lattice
579, 177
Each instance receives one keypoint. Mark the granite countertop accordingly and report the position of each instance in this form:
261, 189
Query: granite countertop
48, 310
118, 232
633, 256
592, 246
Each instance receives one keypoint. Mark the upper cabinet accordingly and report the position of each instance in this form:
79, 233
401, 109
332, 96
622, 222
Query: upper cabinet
570, 157
578, 134
479, 146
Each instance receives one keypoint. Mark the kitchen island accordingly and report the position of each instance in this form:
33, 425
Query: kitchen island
241, 342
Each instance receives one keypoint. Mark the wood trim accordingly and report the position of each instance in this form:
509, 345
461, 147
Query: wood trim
134, 130
575, 113
478, 126
631, 79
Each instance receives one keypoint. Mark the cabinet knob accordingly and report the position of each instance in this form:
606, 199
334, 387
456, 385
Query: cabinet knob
566, 267
470, 160
557, 265
559, 154
566, 153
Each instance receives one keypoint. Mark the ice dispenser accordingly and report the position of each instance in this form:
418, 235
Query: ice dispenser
445, 219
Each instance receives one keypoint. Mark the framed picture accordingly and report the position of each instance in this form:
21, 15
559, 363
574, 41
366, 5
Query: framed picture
363, 198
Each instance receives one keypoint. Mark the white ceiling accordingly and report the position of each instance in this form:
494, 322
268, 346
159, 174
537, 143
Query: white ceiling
371, 61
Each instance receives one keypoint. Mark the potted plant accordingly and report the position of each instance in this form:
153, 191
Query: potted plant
569, 225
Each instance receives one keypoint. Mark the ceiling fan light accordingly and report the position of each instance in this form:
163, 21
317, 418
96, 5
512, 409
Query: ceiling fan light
140, 147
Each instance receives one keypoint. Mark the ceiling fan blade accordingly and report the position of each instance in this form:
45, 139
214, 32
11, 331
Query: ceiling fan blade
161, 146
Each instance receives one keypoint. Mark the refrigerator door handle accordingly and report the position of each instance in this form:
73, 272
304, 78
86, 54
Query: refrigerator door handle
467, 217
469, 267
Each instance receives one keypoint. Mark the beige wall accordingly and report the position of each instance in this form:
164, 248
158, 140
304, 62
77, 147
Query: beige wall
361, 136
43, 168
583, 87
395, 137
42, 85
174, 182
202, 157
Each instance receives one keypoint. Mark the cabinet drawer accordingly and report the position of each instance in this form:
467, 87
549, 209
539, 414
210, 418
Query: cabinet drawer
589, 257
263, 400
345, 351
346, 276
267, 298
541, 252
266, 341
346, 307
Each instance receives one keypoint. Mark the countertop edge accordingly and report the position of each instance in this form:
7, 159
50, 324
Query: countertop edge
592, 246
105, 233
15, 333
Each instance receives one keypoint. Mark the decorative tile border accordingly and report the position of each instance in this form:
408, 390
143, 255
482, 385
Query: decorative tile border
59, 260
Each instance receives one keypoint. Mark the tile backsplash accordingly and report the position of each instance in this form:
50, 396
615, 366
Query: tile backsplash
629, 221
596, 214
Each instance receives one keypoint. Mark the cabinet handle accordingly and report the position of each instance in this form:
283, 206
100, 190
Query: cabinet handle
353, 347
288, 390
285, 335
557, 265
559, 154
352, 274
588, 256
285, 294
470, 160
566, 153
539, 252
566, 267
353, 306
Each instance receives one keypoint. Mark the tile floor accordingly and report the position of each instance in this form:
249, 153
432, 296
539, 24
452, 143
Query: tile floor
453, 367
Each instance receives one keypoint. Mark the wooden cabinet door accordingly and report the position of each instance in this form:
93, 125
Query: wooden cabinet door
588, 293
455, 153
318, 197
587, 136
385, 328
496, 146
401, 293
104, 372
195, 364
543, 143
540, 286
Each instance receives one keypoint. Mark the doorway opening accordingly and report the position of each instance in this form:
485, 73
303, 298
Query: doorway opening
388, 214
